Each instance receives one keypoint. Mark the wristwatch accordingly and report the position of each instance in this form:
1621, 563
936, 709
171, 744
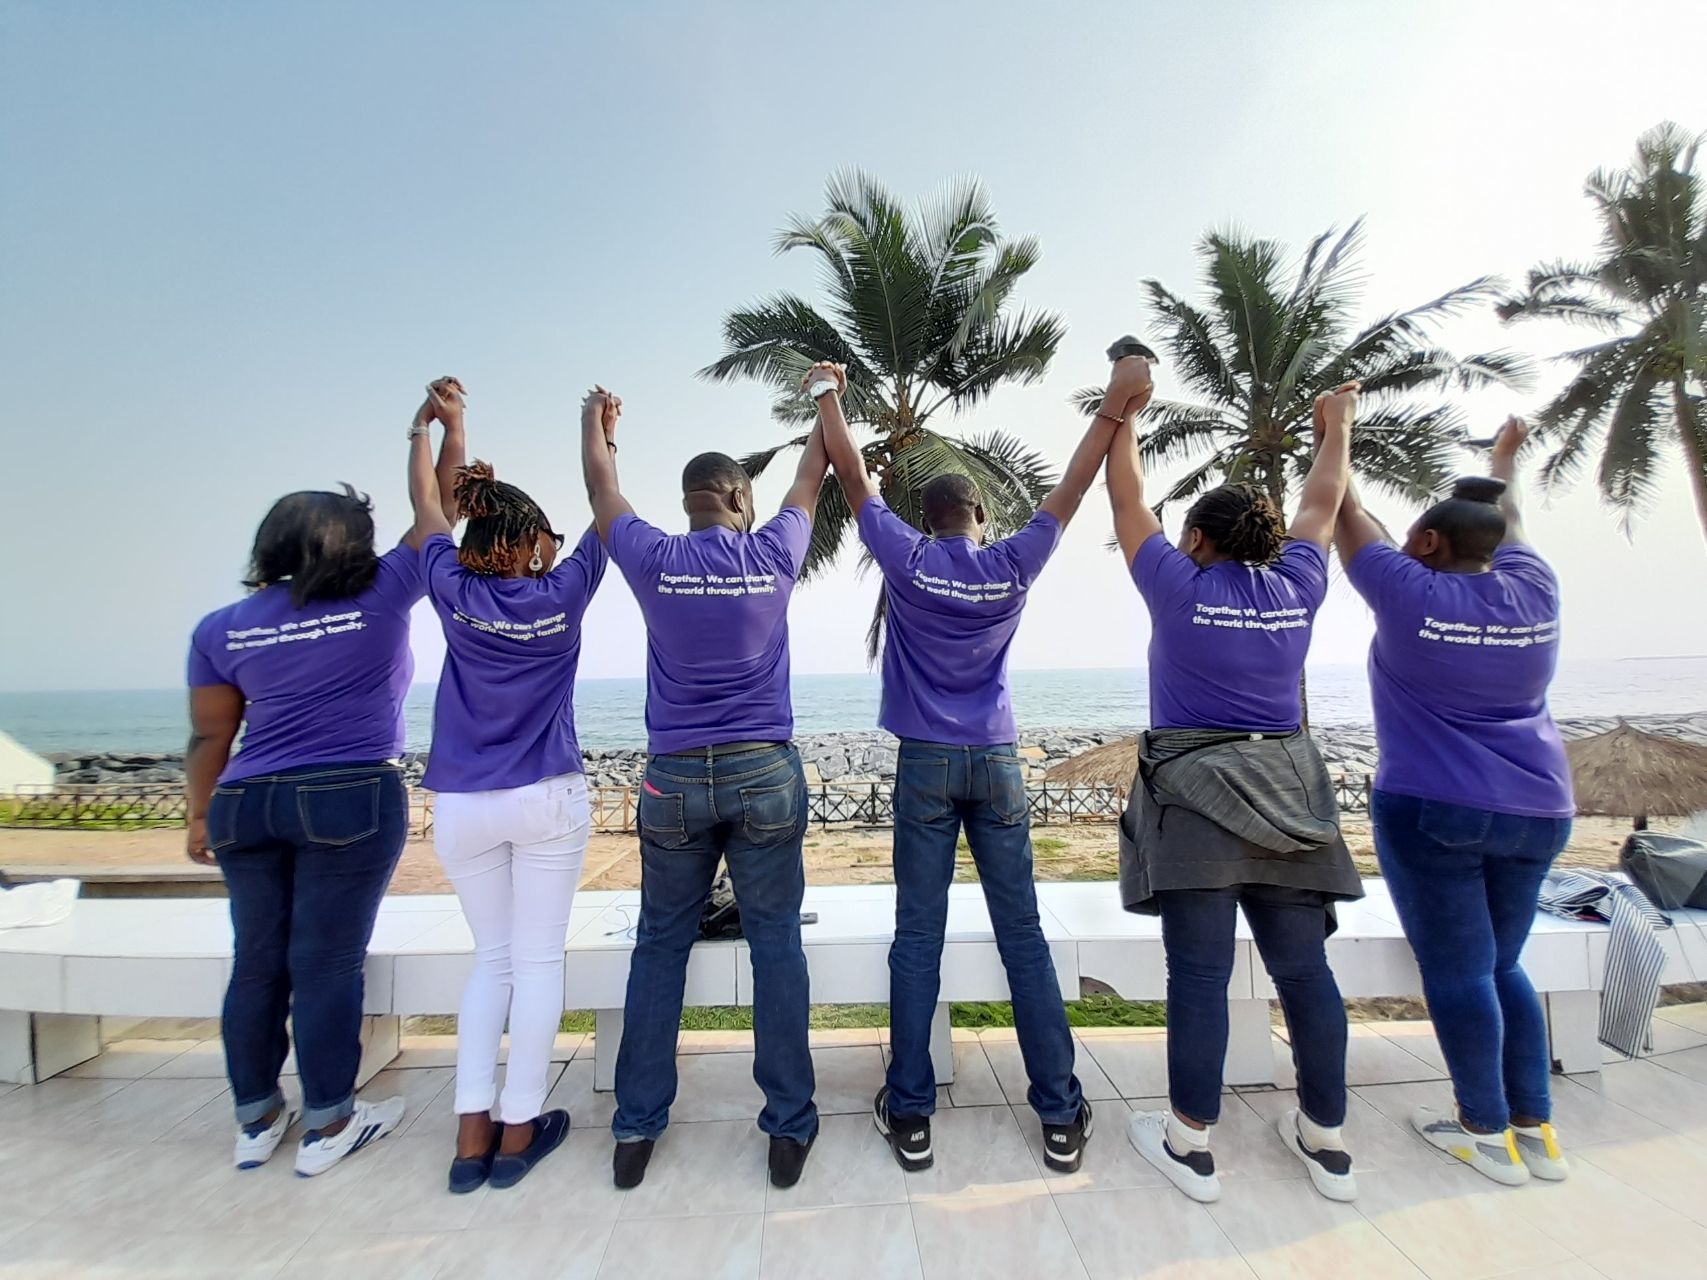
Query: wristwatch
821, 388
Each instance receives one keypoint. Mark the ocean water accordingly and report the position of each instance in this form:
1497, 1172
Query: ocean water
609, 712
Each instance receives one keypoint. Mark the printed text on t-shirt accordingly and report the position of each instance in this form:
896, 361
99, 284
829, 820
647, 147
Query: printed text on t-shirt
330, 624
954, 589
538, 629
1491, 635
1243, 618
715, 584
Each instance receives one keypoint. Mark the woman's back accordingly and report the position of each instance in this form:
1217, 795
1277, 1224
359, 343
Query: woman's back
323, 682
1228, 641
1458, 676
505, 713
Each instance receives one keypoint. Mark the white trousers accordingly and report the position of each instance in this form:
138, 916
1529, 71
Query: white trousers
515, 858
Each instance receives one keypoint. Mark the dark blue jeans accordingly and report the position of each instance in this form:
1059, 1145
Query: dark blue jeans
1291, 929
1465, 883
938, 790
748, 808
306, 854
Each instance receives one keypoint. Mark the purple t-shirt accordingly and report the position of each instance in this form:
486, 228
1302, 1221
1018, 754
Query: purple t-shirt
1227, 642
953, 609
323, 684
1458, 675
505, 714
716, 609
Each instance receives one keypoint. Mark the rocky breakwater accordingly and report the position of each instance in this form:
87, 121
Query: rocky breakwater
855, 758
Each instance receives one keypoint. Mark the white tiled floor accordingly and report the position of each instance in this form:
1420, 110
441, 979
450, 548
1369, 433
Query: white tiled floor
119, 1170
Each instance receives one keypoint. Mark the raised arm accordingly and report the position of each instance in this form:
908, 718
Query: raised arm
453, 445
216, 713
809, 476
1129, 390
1355, 528
424, 492
1503, 466
599, 414
1134, 522
1324, 487
829, 381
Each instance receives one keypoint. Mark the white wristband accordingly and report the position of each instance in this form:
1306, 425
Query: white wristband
818, 390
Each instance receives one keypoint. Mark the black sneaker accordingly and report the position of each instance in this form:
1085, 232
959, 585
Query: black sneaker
788, 1159
909, 1136
1064, 1144
629, 1161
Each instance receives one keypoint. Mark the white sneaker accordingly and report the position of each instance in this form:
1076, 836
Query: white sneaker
1493, 1155
1193, 1174
1330, 1170
1539, 1150
370, 1122
254, 1150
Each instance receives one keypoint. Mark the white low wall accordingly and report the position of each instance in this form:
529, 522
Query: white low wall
22, 771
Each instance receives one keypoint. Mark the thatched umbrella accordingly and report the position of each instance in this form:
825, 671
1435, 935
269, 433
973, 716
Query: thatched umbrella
1626, 773
1110, 765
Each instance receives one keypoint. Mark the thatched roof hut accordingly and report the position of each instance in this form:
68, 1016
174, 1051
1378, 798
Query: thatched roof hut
1111, 765
1627, 773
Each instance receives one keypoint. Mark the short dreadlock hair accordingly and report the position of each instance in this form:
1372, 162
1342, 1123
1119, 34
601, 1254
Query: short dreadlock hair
502, 520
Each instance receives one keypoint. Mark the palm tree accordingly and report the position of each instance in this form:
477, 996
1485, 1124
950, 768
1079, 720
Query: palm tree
1642, 388
918, 310
1271, 339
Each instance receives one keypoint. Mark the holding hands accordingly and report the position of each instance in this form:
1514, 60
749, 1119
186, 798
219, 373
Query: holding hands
826, 371
604, 408
1510, 437
1130, 387
444, 402
1336, 409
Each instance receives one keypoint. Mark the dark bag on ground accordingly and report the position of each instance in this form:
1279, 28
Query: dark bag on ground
1671, 870
721, 918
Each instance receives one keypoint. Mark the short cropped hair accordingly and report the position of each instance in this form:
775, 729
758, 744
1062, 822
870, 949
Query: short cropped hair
950, 498
715, 472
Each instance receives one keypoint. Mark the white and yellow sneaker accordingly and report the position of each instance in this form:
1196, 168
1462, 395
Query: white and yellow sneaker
1539, 1149
1493, 1155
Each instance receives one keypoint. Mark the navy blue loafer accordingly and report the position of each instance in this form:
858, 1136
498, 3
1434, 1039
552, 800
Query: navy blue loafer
469, 1173
548, 1134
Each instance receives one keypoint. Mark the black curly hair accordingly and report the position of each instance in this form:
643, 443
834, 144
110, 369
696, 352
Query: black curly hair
1242, 521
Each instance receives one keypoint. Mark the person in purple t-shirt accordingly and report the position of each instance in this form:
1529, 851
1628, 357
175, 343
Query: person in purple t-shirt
512, 818
723, 780
1232, 807
1472, 797
953, 606
308, 818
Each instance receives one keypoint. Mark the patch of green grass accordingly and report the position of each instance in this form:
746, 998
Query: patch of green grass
1092, 1011
58, 815
1048, 846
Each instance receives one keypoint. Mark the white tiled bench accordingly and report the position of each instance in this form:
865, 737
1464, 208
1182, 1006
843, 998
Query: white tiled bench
172, 957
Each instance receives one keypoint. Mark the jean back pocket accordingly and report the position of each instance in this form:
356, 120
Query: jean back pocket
339, 813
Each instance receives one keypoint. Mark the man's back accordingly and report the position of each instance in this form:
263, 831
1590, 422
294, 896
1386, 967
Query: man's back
953, 610
716, 608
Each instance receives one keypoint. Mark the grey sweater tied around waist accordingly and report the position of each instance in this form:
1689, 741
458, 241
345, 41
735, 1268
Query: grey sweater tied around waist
1213, 808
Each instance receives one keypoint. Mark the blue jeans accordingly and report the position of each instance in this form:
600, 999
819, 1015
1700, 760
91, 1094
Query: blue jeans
749, 808
307, 854
939, 789
1465, 882
1291, 930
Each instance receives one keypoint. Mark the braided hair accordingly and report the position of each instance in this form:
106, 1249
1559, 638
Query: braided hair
502, 520
1242, 521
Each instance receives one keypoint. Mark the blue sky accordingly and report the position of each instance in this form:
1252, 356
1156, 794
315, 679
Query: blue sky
238, 238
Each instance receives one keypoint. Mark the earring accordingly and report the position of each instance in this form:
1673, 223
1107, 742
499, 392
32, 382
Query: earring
536, 564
